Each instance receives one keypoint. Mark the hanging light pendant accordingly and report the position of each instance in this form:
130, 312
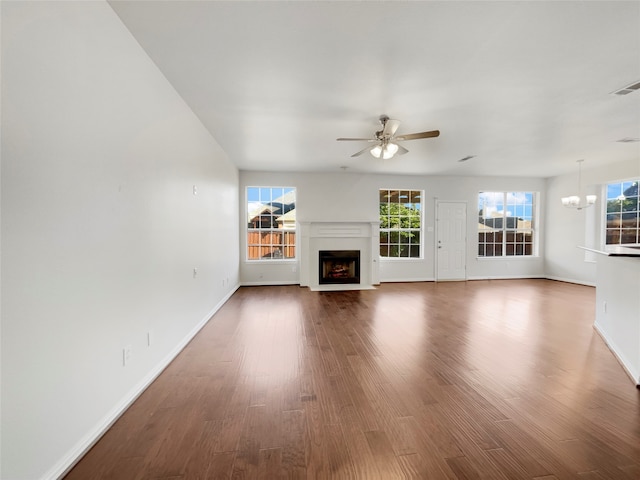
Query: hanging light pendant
575, 201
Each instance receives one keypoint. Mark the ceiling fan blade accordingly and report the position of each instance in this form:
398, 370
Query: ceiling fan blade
356, 139
390, 128
415, 136
402, 150
364, 150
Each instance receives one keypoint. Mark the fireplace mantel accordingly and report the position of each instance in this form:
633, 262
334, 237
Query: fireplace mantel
362, 236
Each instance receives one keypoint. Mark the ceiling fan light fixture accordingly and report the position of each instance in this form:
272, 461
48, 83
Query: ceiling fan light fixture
389, 150
376, 151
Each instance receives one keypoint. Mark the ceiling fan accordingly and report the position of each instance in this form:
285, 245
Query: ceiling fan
386, 141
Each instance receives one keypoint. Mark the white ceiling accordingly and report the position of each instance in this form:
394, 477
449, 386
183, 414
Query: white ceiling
524, 86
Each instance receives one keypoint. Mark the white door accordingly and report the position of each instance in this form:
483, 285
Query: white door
451, 240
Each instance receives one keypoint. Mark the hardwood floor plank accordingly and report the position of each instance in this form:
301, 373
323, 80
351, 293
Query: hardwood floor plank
170, 453
247, 462
463, 468
484, 379
513, 467
294, 464
532, 449
98, 462
383, 454
229, 427
338, 460
361, 462
220, 465
203, 461
422, 465
442, 435
128, 468
270, 464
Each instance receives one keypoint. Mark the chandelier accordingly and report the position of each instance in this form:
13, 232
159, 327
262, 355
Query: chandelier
575, 201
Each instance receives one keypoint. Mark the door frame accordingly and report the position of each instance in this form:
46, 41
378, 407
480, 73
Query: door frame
437, 233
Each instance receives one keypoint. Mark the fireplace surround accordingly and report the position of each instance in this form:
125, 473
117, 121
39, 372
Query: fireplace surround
339, 236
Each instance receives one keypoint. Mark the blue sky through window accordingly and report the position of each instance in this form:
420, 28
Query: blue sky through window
266, 194
616, 190
257, 196
518, 204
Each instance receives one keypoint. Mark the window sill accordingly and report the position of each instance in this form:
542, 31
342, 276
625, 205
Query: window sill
400, 259
513, 257
272, 262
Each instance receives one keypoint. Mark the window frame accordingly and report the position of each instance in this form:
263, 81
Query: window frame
411, 195
607, 189
505, 232
289, 238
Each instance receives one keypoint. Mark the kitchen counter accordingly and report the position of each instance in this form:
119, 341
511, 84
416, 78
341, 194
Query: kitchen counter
618, 304
616, 251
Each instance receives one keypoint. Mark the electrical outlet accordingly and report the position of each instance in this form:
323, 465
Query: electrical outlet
149, 338
195, 190
604, 306
126, 355
195, 272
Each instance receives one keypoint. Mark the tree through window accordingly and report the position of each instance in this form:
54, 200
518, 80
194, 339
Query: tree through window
400, 223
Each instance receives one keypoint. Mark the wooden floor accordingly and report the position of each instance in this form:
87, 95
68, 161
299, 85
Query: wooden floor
465, 380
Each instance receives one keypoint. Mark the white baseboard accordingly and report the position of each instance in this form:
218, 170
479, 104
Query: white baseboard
63, 466
431, 279
629, 370
506, 277
407, 280
570, 280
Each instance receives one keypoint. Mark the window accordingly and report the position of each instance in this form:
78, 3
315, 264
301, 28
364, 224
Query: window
400, 223
623, 224
271, 223
505, 224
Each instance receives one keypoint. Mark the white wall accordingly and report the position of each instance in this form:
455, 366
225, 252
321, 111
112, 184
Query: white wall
100, 228
342, 197
566, 228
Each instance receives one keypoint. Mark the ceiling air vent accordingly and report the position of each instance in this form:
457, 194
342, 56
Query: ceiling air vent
628, 89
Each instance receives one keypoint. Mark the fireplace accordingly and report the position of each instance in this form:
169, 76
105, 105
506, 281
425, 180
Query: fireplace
360, 239
339, 267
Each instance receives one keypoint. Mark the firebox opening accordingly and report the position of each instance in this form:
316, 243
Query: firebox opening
339, 266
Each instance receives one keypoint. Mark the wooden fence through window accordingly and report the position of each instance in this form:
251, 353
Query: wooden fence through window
271, 244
